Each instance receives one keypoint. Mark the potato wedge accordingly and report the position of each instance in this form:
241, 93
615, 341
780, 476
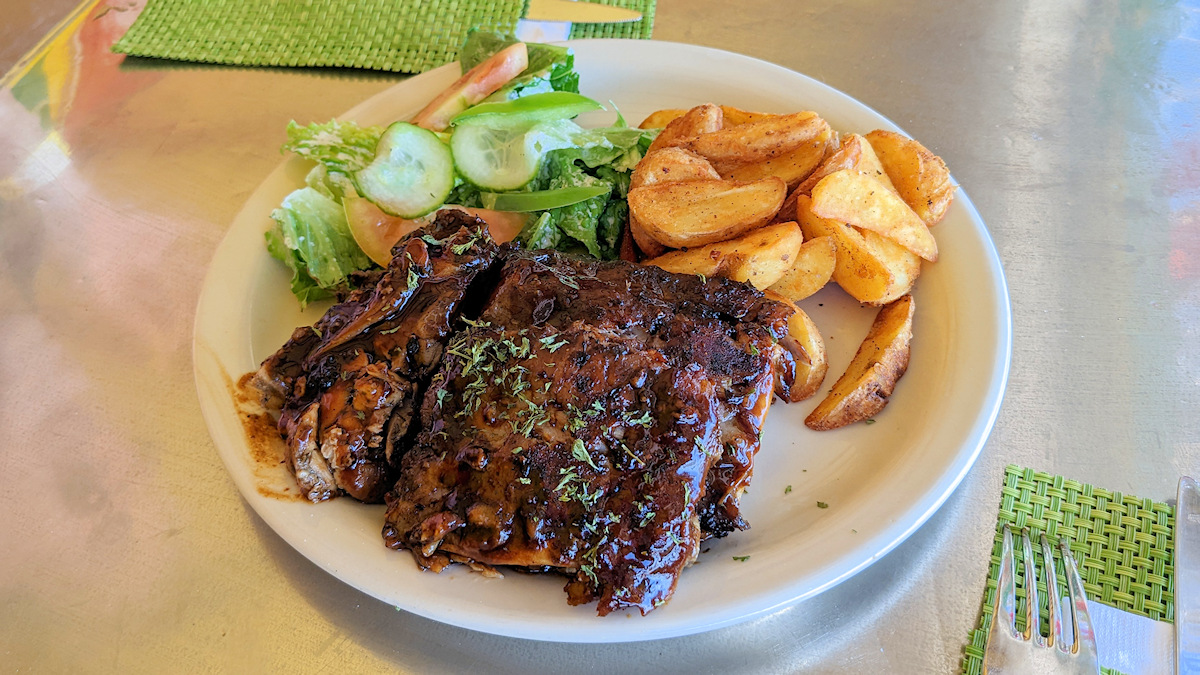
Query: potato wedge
904, 265
870, 268
759, 140
662, 166
868, 164
807, 348
645, 243
846, 156
812, 270
697, 212
857, 199
863, 390
671, 164
734, 116
706, 261
659, 119
792, 166
919, 176
702, 119
760, 257
763, 256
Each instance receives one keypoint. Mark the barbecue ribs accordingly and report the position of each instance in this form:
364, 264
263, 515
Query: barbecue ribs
536, 410
726, 332
350, 385
573, 449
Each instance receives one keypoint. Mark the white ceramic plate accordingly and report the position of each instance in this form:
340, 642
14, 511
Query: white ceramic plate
880, 481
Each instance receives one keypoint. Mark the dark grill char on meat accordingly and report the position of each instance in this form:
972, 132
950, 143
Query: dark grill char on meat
573, 449
729, 331
350, 384
531, 409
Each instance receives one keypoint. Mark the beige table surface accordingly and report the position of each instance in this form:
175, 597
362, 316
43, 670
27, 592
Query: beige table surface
124, 546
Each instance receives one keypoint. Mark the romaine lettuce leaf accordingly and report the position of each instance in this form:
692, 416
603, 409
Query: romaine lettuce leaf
344, 147
303, 286
312, 237
541, 233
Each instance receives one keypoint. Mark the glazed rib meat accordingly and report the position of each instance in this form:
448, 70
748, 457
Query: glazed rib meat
536, 410
572, 449
349, 387
724, 332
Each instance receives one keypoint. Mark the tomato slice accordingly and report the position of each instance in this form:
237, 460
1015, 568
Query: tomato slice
376, 232
477, 84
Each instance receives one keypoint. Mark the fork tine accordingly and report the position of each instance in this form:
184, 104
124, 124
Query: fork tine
1004, 618
1056, 627
1033, 628
1085, 638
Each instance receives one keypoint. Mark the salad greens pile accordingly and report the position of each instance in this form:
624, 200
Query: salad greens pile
519, 150
311, 235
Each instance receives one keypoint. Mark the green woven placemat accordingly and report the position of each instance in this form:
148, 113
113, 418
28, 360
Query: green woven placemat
630, 29
1123, 545
408, 36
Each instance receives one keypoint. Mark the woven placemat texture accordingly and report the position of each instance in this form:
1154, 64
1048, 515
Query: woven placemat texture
630, 29
408, 36
1123, 545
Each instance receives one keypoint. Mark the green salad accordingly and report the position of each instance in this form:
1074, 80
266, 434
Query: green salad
516, 149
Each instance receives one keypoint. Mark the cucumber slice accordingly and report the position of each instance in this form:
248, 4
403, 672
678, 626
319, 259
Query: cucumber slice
412, 173
507, 157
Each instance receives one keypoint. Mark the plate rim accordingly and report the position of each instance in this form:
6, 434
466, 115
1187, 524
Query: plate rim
916, 515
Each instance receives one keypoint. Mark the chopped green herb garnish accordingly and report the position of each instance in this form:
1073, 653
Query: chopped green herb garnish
787, 490
822, 505
580, 452
741, 558
870, 420
644, 420
551, 344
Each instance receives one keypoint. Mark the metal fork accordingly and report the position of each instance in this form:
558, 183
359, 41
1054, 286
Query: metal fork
1009, 651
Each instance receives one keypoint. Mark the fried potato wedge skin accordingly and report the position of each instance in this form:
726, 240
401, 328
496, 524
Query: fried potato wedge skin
868, 164
792, 166
860, 200
864, 389
707, 261
812, 270
846, 156
806, 346
763, 256
659, 119
759, 140
664, 166
645, 243
670, 165
760, 257
872, 269
735, 116
698, 212
703, 119
919, 176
